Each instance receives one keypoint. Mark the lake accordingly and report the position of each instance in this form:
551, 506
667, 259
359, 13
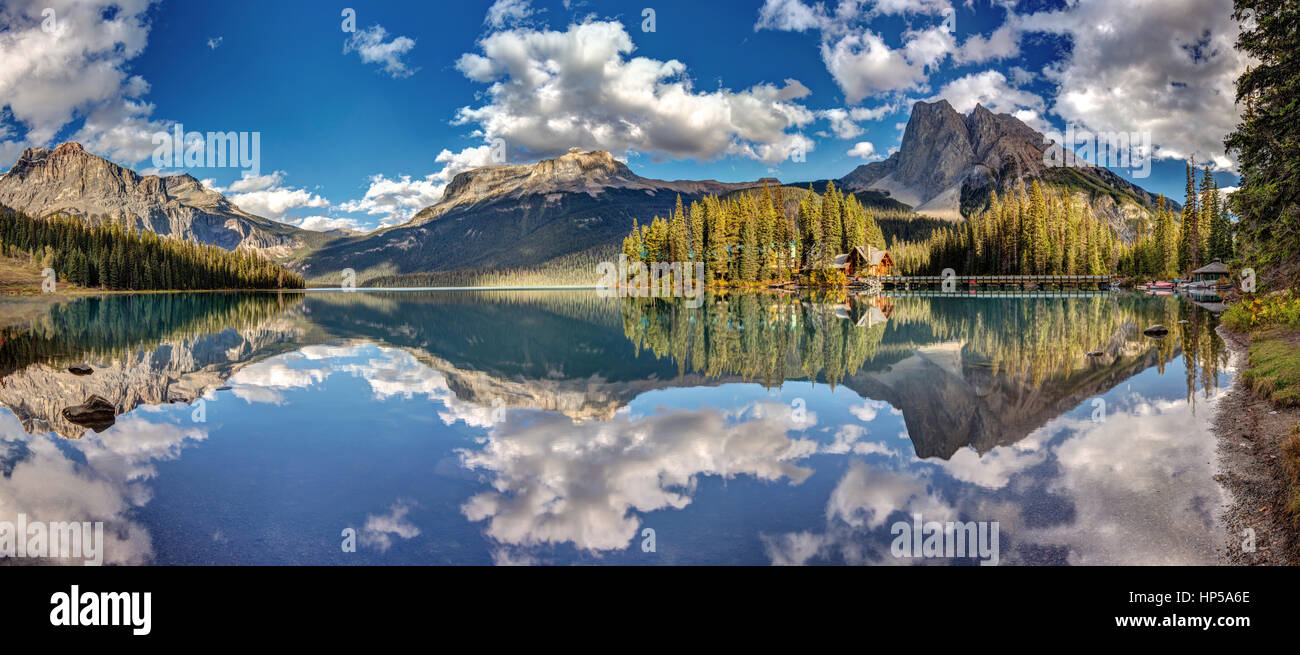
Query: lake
561, 427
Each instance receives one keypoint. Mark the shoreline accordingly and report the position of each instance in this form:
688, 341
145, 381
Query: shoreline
1249, 431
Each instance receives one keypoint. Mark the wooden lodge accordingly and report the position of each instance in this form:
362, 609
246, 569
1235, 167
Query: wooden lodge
1213, 272
865, 261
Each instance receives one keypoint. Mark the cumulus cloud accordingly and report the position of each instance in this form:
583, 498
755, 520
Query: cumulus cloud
265, 195
844, 122
507, 12
396, 200
327, 223
865, 150
858, 506
1140, 485
557, 482
991, 89
790, 16
100, 477
380, 529
279, 372
215, 42
249, 182
553, 90
863, 64
867, 411
1117, 77
371, 46
48, 80
1004, 42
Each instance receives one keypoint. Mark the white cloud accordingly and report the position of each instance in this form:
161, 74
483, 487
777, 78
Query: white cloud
864, 65
215, 42
867, 411
990, 88
264, 195
552, 90
396, 200
250, 182
275, 202
1155, 67
327, 223
100, 477
865, 150
1003, 43
50, 80
904, 7
789, 16
1140, 486
841, 124
857, 57
507, 12
369, 43
555, 481
844, 122
379, 529
1020, 76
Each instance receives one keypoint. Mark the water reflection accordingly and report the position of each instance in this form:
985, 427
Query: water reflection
555, 427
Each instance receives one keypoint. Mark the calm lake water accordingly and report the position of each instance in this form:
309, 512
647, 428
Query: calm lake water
558, 427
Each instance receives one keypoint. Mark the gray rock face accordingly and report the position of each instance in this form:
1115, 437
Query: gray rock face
44, 397
584, 172
519, 216
948, 163
71, 181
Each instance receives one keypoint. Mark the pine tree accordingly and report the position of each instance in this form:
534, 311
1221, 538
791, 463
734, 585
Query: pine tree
749, 254
1039, 244
1188, 246
832, 225
679, 241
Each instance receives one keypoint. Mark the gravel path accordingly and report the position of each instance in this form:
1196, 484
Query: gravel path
1250, 431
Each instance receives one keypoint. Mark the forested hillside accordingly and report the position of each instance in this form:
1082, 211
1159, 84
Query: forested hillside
114, 257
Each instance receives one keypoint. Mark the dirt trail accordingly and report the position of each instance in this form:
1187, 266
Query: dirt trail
1250, 431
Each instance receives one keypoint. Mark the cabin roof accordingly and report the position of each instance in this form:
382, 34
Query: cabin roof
1215, 266
871, 255
872, 316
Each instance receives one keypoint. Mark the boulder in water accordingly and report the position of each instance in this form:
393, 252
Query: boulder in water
81, 369
95, 413
1156, 330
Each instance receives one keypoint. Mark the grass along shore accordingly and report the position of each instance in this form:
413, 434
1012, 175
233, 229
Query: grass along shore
1259, 423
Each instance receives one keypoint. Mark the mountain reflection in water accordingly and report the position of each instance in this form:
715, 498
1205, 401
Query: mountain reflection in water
556, 426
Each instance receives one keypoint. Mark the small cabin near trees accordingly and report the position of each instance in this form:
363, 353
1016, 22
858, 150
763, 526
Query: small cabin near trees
865, 260
1215, 272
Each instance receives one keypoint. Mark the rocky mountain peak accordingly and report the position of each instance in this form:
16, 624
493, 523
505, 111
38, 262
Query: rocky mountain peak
591, 166
578, 171
70, 180
947, 162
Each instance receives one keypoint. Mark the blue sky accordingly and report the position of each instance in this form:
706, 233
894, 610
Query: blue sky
363, 128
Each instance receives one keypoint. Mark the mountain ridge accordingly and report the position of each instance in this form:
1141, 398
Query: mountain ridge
518, 215
948, 163
69, 180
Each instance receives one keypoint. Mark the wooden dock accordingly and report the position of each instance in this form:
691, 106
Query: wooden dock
1022, 282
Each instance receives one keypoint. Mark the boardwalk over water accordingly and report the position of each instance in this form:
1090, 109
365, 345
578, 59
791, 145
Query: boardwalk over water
965, 282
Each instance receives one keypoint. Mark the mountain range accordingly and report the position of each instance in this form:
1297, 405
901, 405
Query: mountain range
948, 163
524, 215
71, 181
